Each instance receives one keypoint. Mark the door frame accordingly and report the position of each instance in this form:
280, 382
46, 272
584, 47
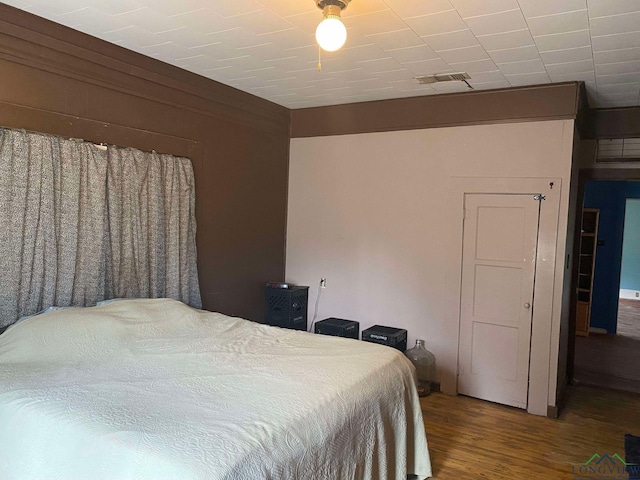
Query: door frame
550, 265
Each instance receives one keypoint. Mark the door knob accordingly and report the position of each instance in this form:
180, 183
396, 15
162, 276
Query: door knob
527, 305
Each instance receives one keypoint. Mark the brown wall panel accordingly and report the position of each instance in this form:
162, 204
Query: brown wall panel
543, 102
614, 122
59, 81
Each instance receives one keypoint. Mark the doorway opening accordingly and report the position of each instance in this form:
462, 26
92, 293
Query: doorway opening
607, 342
628, 320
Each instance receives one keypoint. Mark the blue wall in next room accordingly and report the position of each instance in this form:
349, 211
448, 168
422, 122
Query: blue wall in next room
610, 198
630, 274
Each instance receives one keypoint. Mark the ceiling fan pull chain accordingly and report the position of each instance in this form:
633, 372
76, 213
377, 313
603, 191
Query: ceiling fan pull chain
319, 58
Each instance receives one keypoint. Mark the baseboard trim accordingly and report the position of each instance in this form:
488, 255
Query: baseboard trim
629, 294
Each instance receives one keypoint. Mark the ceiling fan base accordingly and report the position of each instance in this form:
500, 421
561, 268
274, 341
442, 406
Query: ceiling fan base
342, 4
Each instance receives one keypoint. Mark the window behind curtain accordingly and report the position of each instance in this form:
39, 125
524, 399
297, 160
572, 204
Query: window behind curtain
80, 224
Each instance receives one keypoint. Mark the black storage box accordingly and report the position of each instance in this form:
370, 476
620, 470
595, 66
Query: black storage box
338, 327
389, 336
286, 307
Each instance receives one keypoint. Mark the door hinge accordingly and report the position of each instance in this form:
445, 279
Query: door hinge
539, 197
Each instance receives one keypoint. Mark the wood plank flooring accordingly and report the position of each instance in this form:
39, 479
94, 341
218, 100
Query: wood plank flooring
629, 318
612, 361
473, 439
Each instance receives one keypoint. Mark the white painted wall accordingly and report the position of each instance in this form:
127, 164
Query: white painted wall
374, 214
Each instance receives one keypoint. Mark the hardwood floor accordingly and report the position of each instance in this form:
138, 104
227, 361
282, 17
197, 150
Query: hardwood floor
612, 361
473, 439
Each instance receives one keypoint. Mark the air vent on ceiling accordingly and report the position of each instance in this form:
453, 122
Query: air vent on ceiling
444, 77
618, 150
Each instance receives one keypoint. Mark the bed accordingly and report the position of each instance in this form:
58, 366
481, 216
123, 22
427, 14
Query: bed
154, 389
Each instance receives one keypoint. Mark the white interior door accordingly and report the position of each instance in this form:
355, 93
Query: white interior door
498, 269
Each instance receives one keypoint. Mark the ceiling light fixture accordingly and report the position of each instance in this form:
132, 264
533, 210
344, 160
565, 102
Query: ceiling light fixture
331, 32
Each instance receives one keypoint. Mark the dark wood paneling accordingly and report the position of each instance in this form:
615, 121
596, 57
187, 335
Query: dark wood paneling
614, 122
544, 102
60, 81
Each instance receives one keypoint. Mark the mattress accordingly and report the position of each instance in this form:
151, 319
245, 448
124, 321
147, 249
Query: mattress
154, 389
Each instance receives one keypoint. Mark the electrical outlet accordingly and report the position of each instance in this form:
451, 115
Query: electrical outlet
323, 283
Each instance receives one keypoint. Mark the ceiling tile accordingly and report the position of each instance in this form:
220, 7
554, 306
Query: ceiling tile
567, 55
622, 78
63, 7
560, 23
537, 8
621, 23
168, 50
602, 8
203, 20
561, 41
428, 67
413, 54
491, 85
478, 66
396, 39
528, 79
136, 37
390, 75
378, 64
459, 55
437, 23
231, 8
158, 22
496, 23
110, 8
447, 41
473, 8
92, 21
615, 56
618, 68
263, 21
235, 38
572, 67
262, 52
363, 7
509, 55
616, 42
485, 77
376, 22
307, 22
406, 9
293, 36
499, 41
289, 8
185, 37
517, 68
589, 76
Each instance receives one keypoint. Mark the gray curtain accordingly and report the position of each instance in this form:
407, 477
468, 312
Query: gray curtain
79, 224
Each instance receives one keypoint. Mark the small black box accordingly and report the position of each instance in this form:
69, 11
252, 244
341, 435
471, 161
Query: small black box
338, 327
286, 307
389, 336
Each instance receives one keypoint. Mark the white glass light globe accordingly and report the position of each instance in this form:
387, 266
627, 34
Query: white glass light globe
331, 33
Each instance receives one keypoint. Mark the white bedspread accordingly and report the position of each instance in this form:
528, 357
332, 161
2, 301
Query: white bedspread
153, 389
